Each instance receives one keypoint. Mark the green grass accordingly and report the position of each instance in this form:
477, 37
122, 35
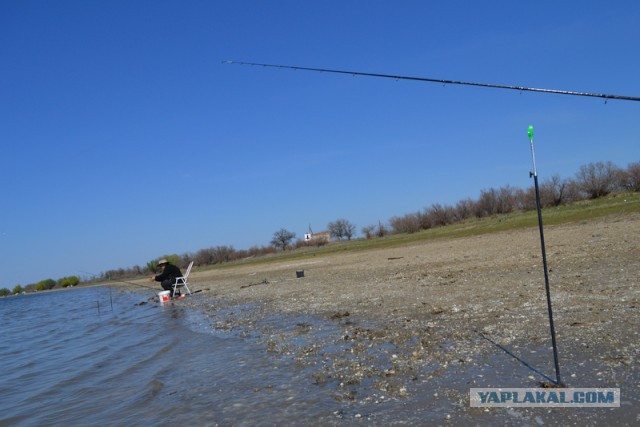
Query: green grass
579, 212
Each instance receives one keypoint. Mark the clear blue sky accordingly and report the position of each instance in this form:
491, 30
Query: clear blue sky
124, 137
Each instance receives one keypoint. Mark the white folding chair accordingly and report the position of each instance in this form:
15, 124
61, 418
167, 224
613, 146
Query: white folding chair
182, 282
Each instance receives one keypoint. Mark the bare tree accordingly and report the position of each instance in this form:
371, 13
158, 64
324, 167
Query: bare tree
632, 177
223, 254
368, 231
494, 201
597, 179
424, 220
487, 203
204, 257
439, 215
382, 230
553, 191
282, 238
464, 209
506, 199
341, 228
409, 223
524, 200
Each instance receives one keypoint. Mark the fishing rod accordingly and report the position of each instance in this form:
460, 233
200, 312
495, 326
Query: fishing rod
120, 281
443, 81
134, 284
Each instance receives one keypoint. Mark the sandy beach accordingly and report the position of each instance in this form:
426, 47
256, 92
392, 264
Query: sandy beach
422, 323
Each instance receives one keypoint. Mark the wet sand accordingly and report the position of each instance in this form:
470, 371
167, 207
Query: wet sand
399, 335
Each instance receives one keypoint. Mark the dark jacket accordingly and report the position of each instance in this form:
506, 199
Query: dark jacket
170, 273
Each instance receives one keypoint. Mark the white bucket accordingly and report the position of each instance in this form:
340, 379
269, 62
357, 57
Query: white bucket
164, 296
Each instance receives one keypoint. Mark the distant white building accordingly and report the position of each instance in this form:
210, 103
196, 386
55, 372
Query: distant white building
324, 237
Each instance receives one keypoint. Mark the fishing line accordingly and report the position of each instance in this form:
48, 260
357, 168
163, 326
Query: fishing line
522, 361
110, 292
444, 81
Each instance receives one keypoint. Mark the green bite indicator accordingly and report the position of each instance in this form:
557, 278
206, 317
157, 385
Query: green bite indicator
530, 131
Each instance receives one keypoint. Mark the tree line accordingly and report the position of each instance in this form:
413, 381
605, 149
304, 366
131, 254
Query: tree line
592, 181
42, 285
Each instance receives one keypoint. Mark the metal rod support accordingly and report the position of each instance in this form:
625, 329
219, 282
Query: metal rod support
546, 269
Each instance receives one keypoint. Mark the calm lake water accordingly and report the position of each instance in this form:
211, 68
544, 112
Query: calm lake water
94, 356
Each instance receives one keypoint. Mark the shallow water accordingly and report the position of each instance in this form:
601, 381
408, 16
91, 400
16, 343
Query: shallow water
107, 356
95, 356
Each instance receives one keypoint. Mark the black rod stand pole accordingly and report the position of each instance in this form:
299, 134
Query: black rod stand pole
544, 262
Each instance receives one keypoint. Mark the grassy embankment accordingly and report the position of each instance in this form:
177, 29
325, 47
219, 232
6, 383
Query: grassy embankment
586, 210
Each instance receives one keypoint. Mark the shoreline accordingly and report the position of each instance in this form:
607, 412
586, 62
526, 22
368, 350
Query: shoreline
422, 323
